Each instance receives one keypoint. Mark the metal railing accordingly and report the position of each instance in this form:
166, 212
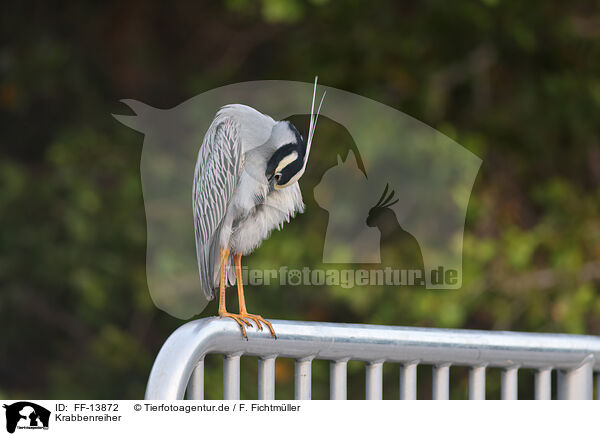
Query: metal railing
179, 365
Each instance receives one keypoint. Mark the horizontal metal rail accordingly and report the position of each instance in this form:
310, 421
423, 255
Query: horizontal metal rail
180, 363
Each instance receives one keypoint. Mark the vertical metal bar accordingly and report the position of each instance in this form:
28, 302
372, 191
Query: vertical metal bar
477, 383
231, 377
561, 388
374, 381
509, 382
303, 382
266, 378
578, 383
598, 386
543, 384
408, 381
441, 382
337, 380
195, 389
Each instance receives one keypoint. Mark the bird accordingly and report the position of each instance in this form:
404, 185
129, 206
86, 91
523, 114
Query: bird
245, 186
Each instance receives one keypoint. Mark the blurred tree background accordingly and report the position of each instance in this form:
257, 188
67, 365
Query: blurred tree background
515, 83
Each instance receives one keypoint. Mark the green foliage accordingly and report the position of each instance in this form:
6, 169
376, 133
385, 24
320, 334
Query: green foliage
516, 84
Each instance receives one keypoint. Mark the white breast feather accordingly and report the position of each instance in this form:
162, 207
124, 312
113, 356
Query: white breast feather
278, 208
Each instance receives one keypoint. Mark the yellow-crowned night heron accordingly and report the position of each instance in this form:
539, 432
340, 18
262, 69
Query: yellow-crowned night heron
245, 185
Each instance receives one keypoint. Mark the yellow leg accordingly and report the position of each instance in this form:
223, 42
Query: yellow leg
222, 311
237, 260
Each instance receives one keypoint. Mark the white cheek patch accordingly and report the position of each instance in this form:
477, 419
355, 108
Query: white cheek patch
286, 161
292, 180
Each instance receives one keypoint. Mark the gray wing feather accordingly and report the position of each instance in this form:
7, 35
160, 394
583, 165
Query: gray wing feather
216, 175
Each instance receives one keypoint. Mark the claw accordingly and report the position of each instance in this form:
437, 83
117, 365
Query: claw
254, 318
243, 319
239, 319
258, 320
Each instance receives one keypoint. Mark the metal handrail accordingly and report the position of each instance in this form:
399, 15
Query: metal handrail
180, 363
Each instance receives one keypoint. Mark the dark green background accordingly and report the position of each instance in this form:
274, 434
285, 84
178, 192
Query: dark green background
517, 83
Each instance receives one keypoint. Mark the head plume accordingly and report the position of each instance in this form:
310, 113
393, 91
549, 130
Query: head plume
386, 201
313, 123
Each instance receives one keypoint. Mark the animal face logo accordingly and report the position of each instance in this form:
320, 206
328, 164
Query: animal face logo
420, 225
26, 415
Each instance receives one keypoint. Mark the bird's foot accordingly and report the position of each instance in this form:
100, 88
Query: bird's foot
239, 319
258, 320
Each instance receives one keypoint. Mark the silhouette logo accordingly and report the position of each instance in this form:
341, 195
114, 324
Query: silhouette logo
26, 415
396, 197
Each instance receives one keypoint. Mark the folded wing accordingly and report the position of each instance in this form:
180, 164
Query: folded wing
216, 175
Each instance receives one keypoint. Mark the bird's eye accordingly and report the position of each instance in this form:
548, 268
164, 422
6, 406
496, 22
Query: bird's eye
277, 177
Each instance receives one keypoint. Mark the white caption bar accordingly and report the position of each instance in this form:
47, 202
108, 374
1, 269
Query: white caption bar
298, 417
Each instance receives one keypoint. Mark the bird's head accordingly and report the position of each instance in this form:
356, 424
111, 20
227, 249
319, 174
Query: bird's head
287, 164
381, 211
